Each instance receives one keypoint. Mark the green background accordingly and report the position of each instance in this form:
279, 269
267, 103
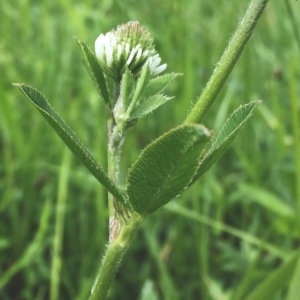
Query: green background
222, 237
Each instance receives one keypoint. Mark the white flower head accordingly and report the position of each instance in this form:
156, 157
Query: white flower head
130, 46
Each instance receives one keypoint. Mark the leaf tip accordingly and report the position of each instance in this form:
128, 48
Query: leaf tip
257, 102
16, 84
79, 42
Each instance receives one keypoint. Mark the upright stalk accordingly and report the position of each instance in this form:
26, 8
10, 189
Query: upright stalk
113, 257
114, 149
296, 133
120, 230
227, 61
59, 226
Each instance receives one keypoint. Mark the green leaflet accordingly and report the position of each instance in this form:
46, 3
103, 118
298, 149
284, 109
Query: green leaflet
225, 137
149, 105
95, 71
166, 167
141, 83
70, 139
159, 83
151, 96
127, 88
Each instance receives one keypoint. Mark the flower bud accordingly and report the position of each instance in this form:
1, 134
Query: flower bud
130, 46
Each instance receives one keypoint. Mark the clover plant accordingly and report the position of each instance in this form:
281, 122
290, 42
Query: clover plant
131, 82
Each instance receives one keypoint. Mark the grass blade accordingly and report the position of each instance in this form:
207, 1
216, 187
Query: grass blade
34, 248
294, 288
277, 280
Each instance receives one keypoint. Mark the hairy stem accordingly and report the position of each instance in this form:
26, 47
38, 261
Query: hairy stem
227, 61
113, 257
115, 143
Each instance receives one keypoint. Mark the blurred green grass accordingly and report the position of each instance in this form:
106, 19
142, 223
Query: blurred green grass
178, 253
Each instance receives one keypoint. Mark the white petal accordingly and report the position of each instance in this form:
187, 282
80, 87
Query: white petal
112, 39
99, 46
112, 48
109, 55
159, 69
139, 53
119, 52
145, 53
155, 60
131, 55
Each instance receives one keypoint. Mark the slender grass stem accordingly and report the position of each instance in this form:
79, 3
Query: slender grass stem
33, 250
227, 61
59, 225
112, 259
296, 133
293, 21
246, 237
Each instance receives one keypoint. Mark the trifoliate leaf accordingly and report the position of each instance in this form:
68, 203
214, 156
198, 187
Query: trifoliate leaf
165, 167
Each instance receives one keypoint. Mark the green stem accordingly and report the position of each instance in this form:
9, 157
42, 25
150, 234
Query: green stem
227, 61
59, 225
33, 250
111, 160
113, 257
294, 22
115, 143
295, 110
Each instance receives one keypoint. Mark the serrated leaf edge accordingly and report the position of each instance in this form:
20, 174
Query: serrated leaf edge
206, 133
92, 166
102, 89
212, 148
